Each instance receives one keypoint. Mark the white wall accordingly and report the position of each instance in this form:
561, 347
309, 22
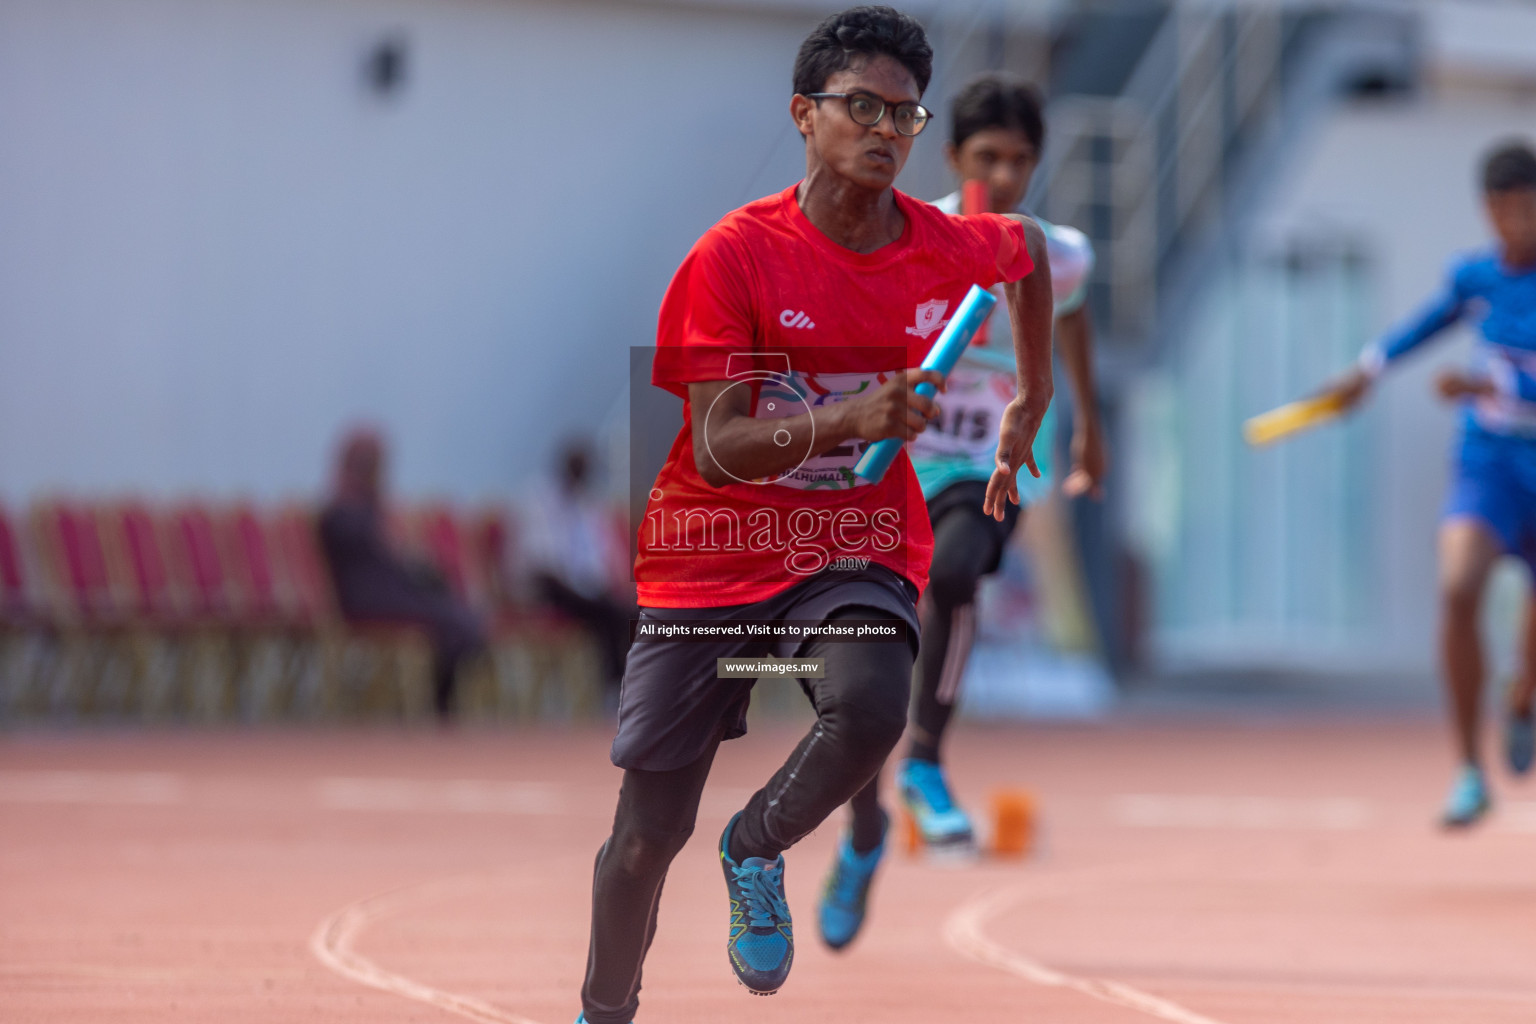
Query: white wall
217, 247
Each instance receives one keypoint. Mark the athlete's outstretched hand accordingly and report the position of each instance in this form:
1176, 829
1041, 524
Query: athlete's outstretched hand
895, 409
1015, 449
1453, 385
1090, 462
1350, 389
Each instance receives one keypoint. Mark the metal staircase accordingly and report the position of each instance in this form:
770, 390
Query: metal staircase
1162, 172
1163, 160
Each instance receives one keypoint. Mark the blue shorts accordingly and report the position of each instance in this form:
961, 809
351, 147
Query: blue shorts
1494, 481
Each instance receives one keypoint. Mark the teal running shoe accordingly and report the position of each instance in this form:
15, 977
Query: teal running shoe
762, 938
1520, 741
942, 825
845, 896
581, 1018
1468, 799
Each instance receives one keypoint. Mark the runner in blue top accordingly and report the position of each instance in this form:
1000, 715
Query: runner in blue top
1491, 508
996, 137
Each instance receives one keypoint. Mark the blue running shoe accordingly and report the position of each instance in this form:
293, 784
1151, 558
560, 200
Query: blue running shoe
1468, 799
581, 1018
762, 940
845, 896
925, 792
1520, 741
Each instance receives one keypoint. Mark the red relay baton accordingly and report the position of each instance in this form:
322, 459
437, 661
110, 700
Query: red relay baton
976, 197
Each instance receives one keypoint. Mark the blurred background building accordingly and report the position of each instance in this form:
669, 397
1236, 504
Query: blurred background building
229, 228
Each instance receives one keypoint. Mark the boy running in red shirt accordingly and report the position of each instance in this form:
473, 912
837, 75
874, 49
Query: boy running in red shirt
787, 330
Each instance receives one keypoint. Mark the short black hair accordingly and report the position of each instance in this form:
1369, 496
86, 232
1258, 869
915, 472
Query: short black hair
868, 31
1509, 165
997, 99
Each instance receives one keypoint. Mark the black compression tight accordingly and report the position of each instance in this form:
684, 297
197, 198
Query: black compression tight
861, 709
965, 547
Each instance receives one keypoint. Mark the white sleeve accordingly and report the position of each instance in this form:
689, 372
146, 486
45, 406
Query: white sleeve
950, 204
1071, 256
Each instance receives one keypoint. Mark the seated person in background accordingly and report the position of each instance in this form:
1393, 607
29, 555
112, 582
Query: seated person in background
374, 584
577, 558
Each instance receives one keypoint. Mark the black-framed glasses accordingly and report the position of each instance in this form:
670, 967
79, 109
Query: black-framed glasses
867, 109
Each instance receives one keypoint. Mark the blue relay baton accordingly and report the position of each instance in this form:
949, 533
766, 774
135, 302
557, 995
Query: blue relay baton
962, 327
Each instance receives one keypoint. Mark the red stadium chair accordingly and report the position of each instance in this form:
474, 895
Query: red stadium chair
93, 665
199, 563
135, 533
302, 566
86, 585
277, 652
544, 666
368, 669
201, 578
491, 550
255, 589
440, 536
26, 642
134, 549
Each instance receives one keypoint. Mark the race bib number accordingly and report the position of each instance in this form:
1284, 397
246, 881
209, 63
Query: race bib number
799, 393
971, 408
1513, 408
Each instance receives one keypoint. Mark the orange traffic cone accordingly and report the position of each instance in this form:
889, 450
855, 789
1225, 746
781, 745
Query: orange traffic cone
911, 838
1013, 822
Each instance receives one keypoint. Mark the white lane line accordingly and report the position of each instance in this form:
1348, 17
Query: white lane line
467, 796
965, 932
332, 942
1143, 810
68, 787
54, 971
1364, 990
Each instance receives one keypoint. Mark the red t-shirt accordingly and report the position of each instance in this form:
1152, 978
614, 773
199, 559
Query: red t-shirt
767, 299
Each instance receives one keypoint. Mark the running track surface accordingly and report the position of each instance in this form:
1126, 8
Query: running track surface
1230, 873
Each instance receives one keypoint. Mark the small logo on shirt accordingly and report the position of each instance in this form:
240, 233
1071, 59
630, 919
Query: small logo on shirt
795, 318
930, 317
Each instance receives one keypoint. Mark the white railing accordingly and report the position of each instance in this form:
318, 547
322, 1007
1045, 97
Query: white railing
1141, 170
